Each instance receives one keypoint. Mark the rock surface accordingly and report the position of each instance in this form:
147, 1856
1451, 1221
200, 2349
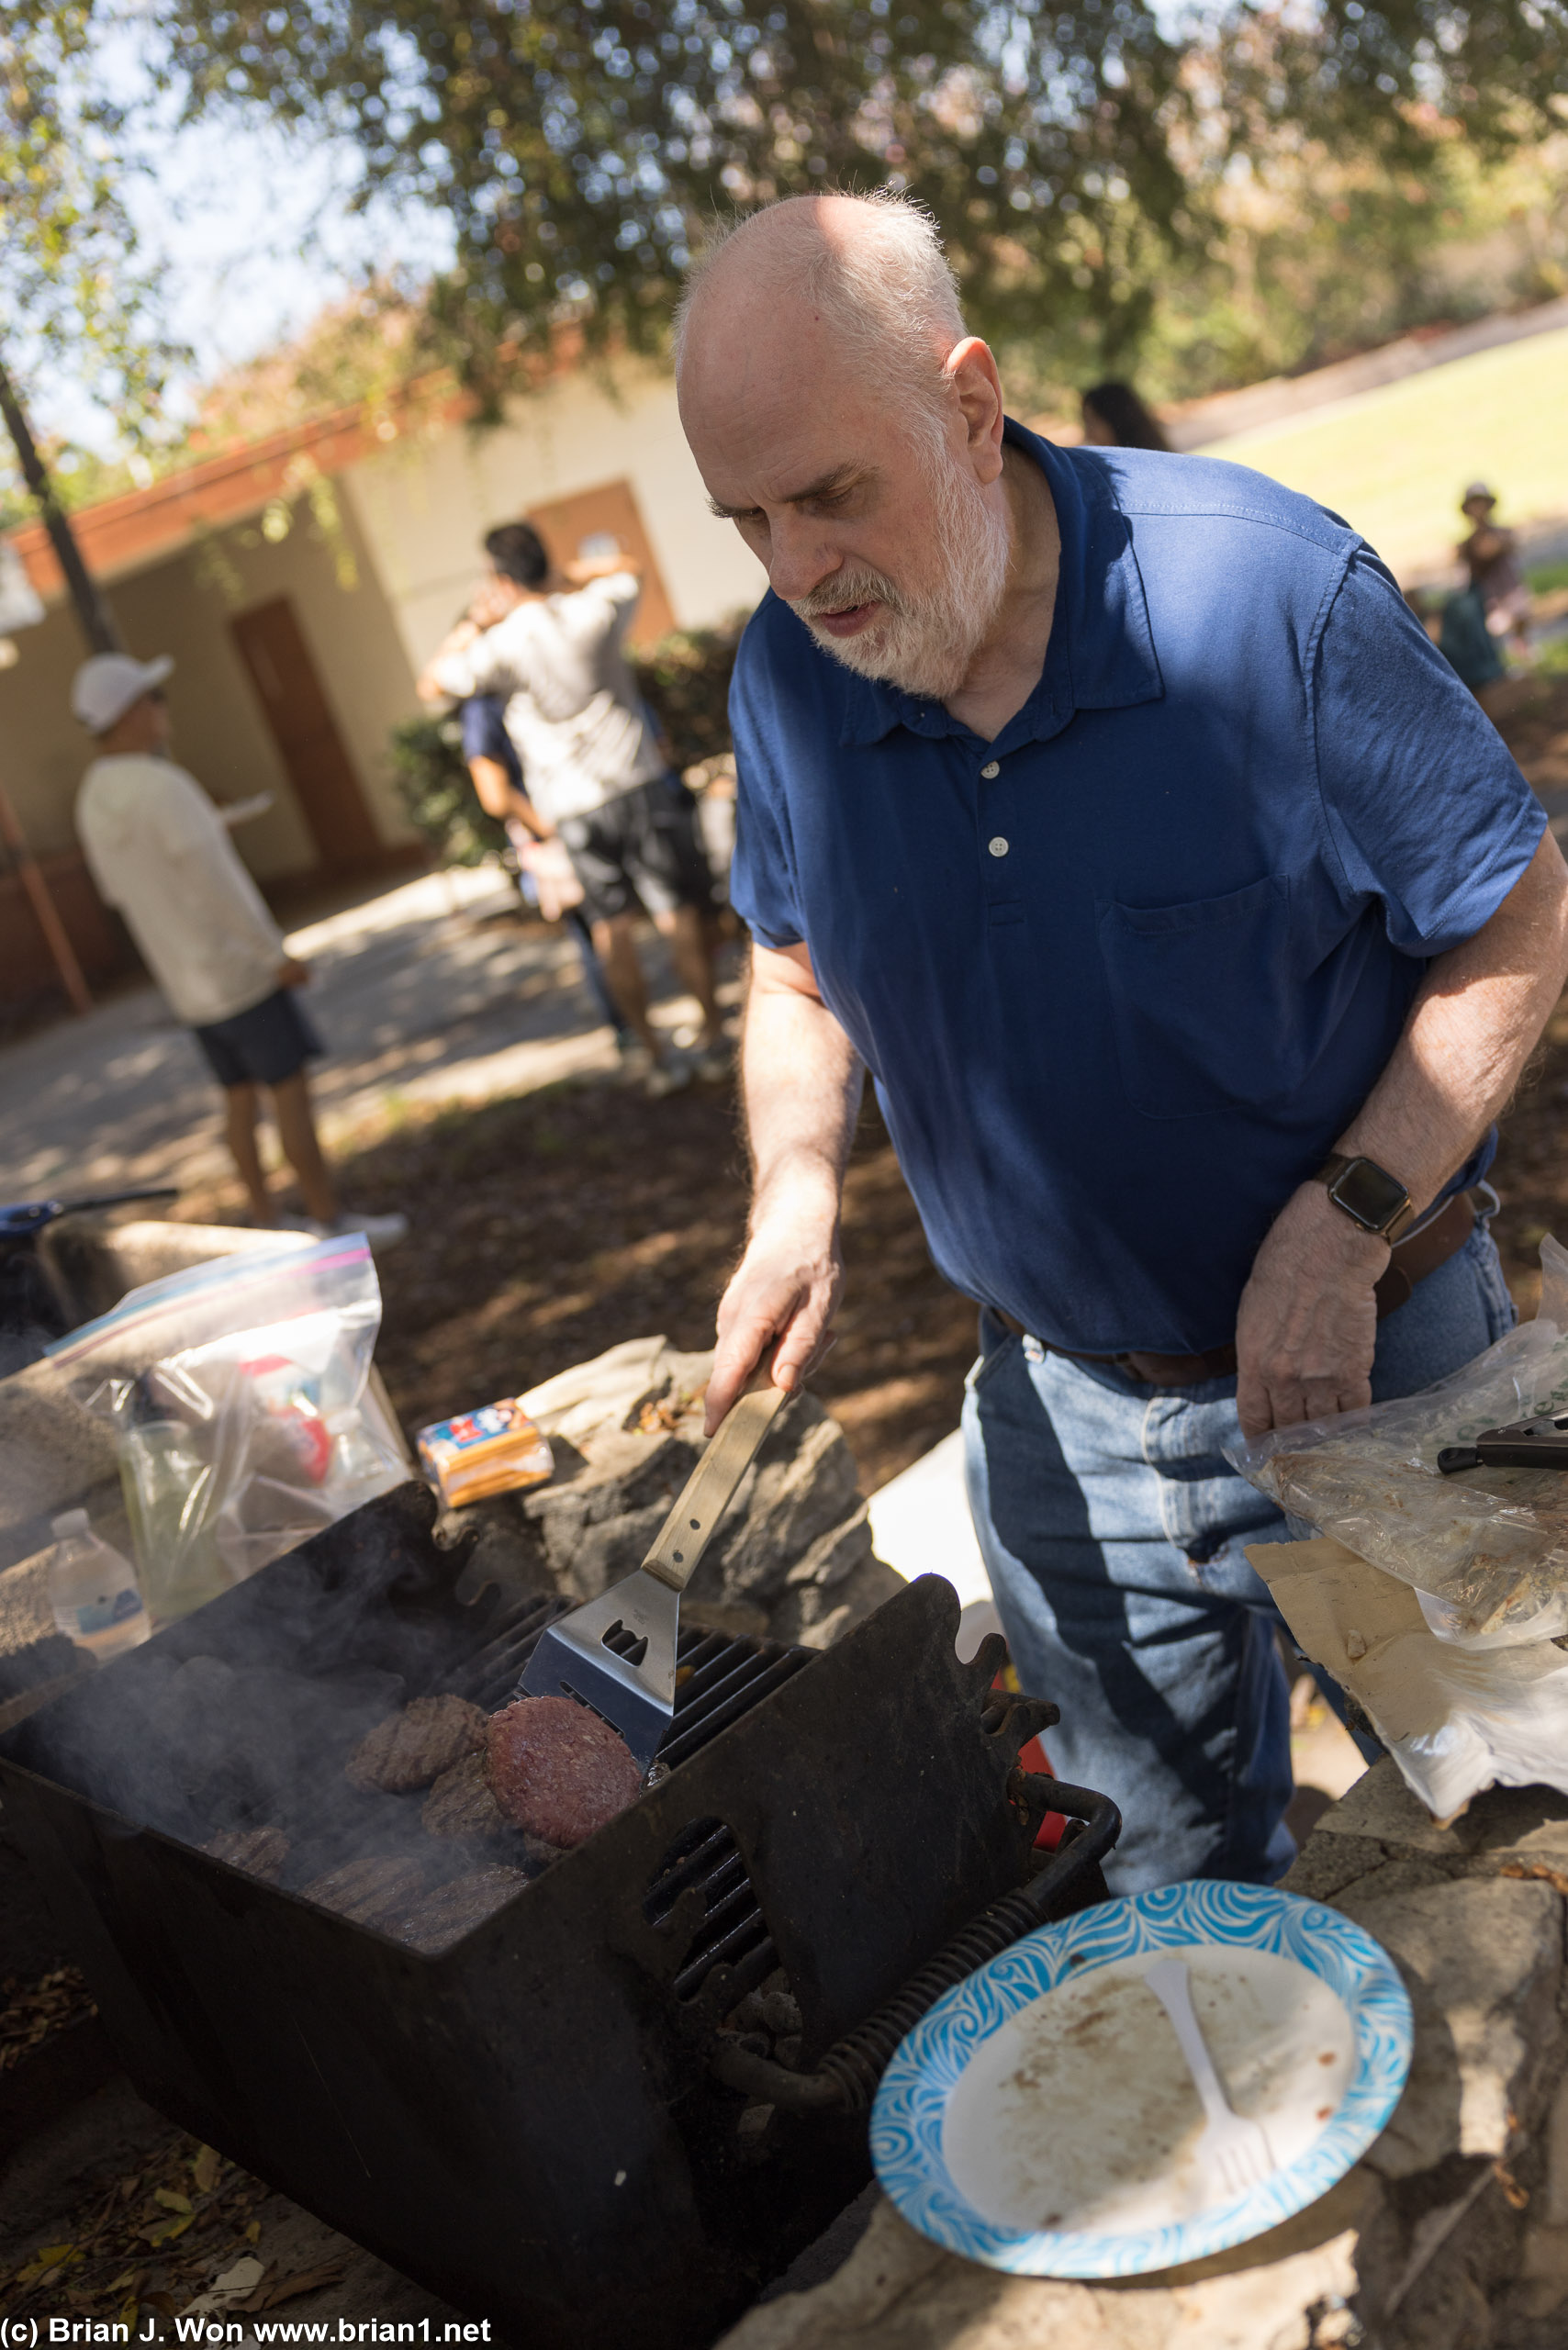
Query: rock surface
793, 1558
1453, 2232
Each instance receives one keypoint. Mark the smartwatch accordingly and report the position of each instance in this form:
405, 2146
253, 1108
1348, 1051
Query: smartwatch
1369, 1195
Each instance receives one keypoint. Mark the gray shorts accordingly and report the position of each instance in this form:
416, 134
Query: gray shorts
641, 847
264, 1045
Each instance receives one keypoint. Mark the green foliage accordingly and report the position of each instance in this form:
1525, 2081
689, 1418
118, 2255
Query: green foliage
580, 145
433, 785
1322, 258
74, 298
686, 680
1380, 76
1077, 158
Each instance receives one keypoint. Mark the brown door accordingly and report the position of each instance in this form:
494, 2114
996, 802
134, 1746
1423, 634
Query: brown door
276, 654
589, 523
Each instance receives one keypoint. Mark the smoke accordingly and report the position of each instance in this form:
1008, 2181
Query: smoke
243, 1715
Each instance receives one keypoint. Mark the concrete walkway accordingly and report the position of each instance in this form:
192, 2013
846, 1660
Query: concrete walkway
425, 993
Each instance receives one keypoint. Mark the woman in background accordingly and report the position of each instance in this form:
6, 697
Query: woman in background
1114, 418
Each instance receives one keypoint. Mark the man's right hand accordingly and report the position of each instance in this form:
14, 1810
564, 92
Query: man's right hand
785, 1289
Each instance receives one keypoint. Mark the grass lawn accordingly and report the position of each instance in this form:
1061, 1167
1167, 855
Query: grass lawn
1394, 462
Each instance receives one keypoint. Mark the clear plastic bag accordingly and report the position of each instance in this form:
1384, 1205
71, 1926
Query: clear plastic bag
1487, 1550
239, 1394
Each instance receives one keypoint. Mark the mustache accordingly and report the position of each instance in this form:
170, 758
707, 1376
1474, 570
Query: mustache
844, 591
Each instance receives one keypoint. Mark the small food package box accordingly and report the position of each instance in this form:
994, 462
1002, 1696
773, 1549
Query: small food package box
495, 1450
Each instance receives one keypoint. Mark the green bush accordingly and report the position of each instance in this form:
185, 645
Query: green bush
433, 781
686, 679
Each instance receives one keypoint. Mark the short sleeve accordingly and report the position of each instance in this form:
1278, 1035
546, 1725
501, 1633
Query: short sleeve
489, 665
601, 607
763, 885
1425, 806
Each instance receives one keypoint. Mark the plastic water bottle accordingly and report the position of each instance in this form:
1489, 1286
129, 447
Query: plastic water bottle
93, 1591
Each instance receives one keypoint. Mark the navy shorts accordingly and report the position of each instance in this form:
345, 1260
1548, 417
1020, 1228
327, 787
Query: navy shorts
642, 845
261, 1046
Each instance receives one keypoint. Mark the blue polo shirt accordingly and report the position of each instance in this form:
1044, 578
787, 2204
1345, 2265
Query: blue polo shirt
1122, 974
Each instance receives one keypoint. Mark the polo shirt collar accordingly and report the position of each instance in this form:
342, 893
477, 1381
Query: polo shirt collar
1101, 655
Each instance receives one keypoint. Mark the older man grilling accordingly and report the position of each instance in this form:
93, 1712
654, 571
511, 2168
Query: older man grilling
1195, 924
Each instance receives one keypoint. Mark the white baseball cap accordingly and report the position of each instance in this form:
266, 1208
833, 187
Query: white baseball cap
105, 687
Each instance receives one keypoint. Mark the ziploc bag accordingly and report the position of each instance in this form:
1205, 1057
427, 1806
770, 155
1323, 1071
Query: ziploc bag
1486, 1551
238, 1394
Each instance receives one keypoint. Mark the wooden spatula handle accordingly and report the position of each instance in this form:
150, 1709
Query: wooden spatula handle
710, 1488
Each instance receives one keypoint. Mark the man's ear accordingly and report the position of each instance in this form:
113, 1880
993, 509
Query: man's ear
972, 370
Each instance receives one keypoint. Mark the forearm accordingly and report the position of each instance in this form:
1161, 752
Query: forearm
430, 688
1306, 1330
800, 1081
1474, 1024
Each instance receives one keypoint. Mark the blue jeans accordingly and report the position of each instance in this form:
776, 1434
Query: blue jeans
1113, 1532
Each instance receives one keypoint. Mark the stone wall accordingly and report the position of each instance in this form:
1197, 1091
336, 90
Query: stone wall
1450, 2234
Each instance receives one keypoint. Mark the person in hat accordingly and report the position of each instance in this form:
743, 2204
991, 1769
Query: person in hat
161, 852
1491, 556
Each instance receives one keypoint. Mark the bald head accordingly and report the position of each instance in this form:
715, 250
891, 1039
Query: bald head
845, 425
868, 271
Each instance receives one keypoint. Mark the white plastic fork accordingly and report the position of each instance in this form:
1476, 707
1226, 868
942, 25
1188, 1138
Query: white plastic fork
1234, 2150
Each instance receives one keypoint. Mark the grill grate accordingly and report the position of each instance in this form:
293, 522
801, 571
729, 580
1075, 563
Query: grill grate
719, 1678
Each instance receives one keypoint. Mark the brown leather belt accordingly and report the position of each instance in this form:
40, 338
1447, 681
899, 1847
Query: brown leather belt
1409, 1261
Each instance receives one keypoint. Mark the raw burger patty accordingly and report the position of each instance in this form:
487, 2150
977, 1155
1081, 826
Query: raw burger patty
261, 1852
460, 1804
453, 1910
416, 1745
372, 1891
556, 1770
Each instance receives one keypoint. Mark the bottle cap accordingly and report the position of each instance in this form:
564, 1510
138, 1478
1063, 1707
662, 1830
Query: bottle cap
70, 1522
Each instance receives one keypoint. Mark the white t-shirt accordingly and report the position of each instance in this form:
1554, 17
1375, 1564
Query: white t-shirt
573, 708
159, 850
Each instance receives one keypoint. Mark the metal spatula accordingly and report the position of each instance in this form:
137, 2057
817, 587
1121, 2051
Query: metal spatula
631, 1683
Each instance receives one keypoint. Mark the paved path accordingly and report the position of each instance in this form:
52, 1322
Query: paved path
425, 993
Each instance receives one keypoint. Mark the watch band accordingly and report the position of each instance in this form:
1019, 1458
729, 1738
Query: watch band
1391, 1225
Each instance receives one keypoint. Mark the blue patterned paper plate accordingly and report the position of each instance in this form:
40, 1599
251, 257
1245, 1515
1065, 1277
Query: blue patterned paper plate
1039, 2117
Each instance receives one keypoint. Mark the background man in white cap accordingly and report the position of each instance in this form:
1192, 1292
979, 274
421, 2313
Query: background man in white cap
160, 850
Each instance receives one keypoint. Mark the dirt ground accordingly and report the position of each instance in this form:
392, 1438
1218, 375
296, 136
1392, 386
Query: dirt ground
549, 1225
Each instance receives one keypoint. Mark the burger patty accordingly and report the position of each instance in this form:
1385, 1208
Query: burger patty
259, 1851
415, 1745
460, 1804
453, 1910
375, 1891
556, 1771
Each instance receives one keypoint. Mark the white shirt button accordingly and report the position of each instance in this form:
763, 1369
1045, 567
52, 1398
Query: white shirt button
992, 768
998, 846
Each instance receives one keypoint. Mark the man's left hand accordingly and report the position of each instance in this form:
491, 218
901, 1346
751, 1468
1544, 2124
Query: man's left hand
1308, 1324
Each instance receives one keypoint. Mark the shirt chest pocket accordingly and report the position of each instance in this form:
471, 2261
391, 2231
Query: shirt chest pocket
1206, 1013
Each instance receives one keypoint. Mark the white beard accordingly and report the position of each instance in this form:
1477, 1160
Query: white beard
928, 636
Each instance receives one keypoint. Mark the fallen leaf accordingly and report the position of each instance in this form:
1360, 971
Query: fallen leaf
253, 2232
50, 2256
170, 2198
124, 2282
167, 2230
128, 2319
206, 2168
289, 2288
128, 2187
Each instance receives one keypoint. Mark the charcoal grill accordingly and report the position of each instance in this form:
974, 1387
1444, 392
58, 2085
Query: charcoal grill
593, 2118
